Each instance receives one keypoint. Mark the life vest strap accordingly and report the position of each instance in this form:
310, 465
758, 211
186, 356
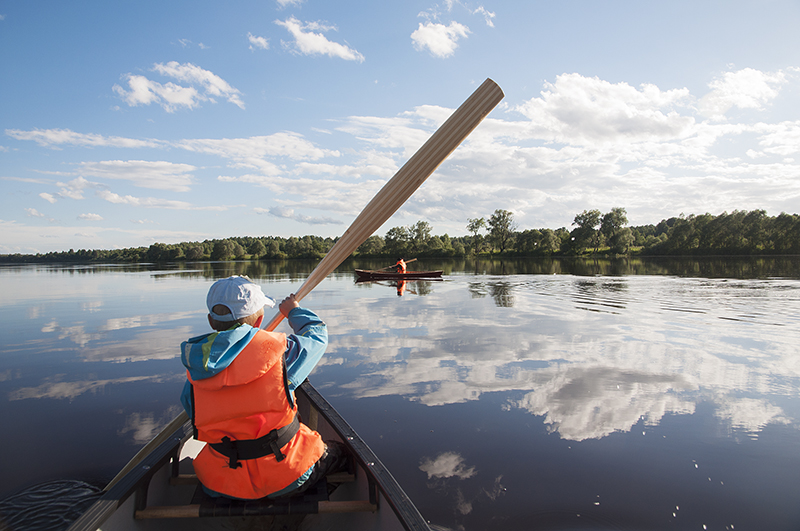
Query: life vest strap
270, 443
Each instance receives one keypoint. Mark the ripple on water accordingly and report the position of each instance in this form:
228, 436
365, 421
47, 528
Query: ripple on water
50, 506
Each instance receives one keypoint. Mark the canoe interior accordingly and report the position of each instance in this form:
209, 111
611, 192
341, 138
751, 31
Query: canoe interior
163, 478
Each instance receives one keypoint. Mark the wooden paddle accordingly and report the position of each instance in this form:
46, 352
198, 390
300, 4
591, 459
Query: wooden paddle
391, 197
391, 266
404, 183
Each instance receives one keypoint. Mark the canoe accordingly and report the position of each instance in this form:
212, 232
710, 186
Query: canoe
369, 274
158, 490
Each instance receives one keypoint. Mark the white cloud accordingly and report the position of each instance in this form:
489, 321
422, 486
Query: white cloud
153, 202
781, 139
159, 175
581, 141
283, 144
284, 3
186, 43
487, 15
440, 40
54, 137
34, 213
446, 465
213, 85
253, 153
48, 197
308, 42
90, 217
74, 188
288, 213
746, 89
32, 239
258, 42
143, 91
578, 110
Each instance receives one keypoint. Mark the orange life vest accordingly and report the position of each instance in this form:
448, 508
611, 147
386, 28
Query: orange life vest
401, 266
246, 401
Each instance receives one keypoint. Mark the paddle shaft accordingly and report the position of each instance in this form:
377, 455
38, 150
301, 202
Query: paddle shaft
391, 266
391, 197
404, 183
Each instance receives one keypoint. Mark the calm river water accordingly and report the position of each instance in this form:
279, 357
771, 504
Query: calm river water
535, 394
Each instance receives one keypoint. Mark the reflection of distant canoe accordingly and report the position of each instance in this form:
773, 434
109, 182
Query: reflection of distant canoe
369, 274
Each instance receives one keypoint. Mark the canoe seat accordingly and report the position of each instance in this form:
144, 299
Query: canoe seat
314, 500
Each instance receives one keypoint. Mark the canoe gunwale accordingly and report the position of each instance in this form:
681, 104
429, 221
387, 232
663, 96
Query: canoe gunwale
137, 480
376, 471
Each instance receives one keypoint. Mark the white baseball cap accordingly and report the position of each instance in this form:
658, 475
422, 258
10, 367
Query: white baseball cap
239, 295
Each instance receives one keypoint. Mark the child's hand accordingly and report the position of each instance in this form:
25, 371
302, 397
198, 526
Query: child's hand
287, 305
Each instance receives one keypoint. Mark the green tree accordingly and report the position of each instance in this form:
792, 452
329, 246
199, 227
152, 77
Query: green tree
257, 249
158, 252
447, 244
420, 234
502, 228
612, 226
613, 221
586, 233
223, 250
621, 241
372, 246
474, 227
550, 242
527, 241
397, 241
195, 252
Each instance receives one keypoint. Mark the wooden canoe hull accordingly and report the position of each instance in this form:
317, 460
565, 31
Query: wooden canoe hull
156, 493
369, 274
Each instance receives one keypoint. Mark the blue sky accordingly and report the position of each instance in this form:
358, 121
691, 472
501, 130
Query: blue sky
130, 123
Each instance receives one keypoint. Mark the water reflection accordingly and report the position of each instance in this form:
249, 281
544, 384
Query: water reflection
589, 374
590, 354
141, 427
758, 267
401, 287
590, 403
500, 291
447, 473
446, 465
55, 387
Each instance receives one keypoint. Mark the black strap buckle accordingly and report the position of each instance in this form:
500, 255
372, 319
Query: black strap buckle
229, 449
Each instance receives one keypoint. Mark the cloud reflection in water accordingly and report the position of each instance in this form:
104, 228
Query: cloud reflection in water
592, 356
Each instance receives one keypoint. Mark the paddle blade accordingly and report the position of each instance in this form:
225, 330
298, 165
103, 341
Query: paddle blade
404, 183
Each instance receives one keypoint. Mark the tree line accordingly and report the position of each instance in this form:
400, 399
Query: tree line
591, 233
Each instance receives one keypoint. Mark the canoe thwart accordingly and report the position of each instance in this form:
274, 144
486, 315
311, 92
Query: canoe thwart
191, 479
313, 501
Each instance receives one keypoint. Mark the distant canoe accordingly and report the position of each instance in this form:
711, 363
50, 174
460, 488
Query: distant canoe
369, 274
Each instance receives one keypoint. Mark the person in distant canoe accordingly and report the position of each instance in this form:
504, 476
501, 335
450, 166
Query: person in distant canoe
401, 265
239, 394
